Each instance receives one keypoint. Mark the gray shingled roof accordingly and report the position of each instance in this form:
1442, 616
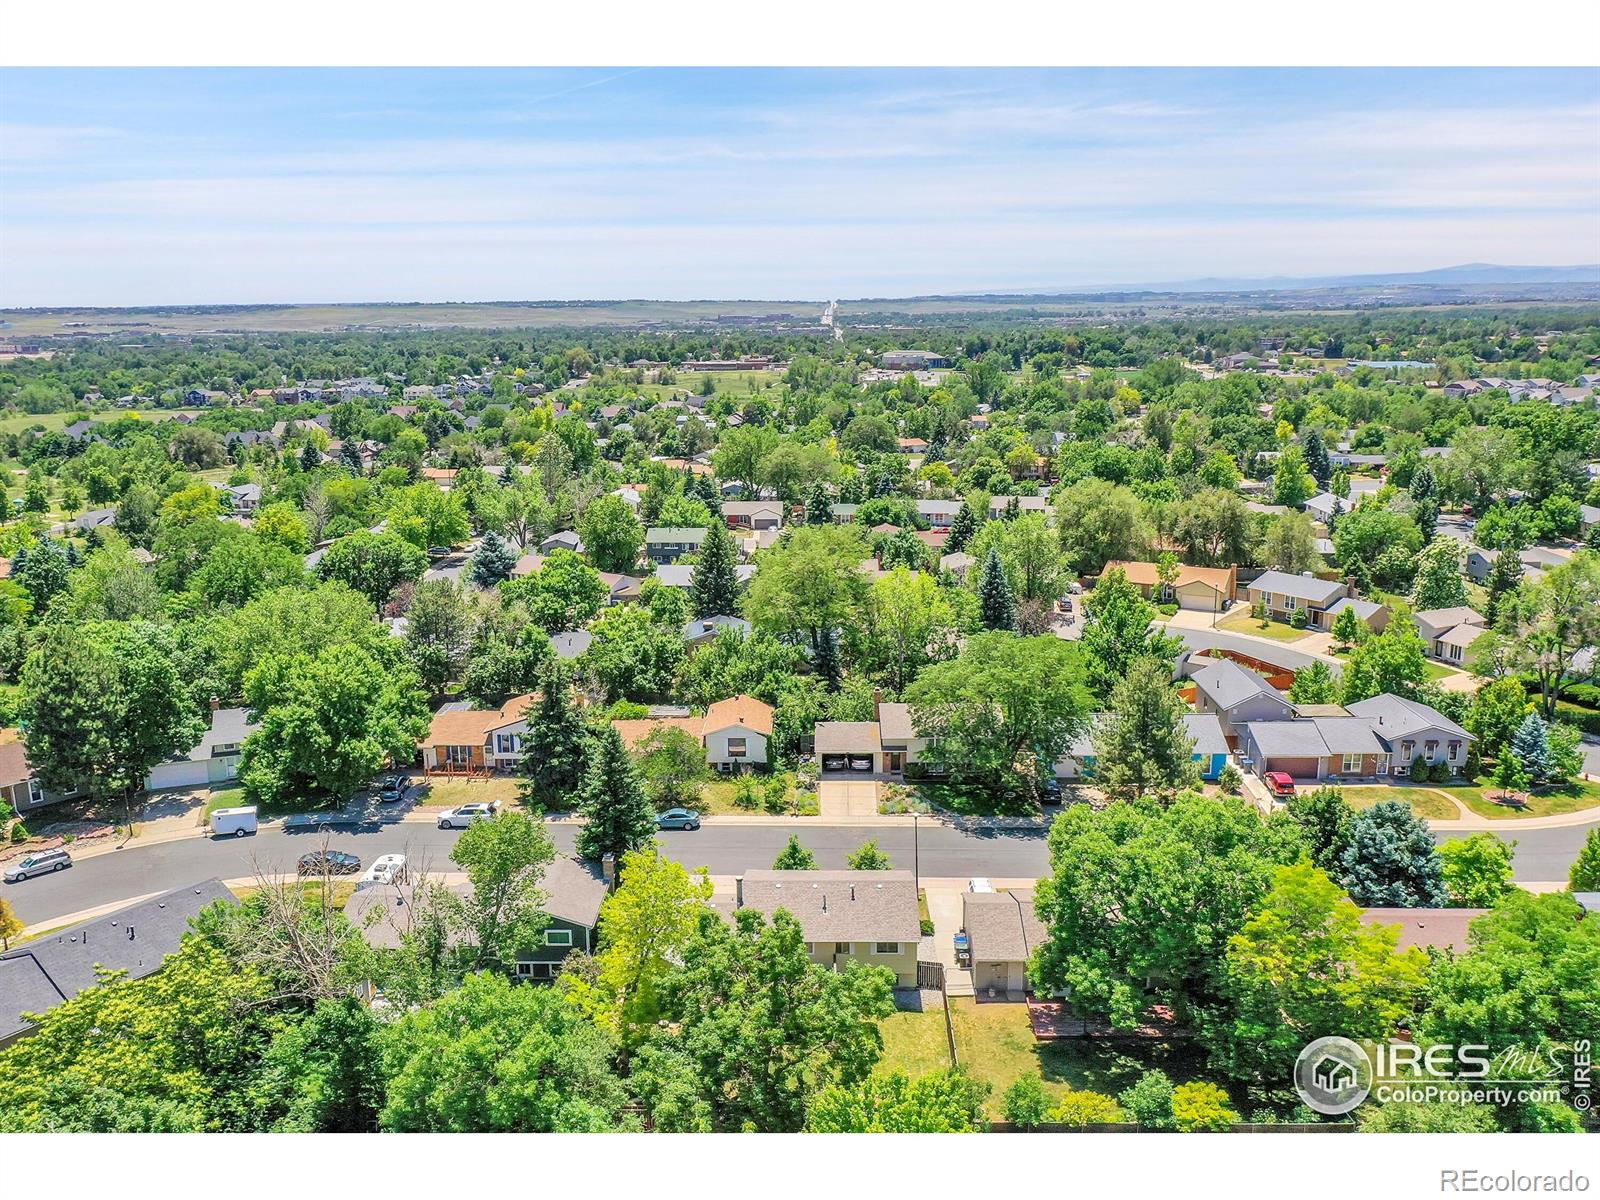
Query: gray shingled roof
1002, 926
848, 737
1288, 739
1348, 735
1228, 684
840, 906
1394, 717
37, 976
1206, 730
1281, 583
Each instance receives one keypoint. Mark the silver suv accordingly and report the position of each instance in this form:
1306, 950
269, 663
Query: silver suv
40, 863
460, 818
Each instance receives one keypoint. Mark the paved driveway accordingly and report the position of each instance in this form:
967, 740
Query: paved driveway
847, 798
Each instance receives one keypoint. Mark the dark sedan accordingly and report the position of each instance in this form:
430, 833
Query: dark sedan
329, 862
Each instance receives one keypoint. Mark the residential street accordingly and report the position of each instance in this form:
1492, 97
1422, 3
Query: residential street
1543, 855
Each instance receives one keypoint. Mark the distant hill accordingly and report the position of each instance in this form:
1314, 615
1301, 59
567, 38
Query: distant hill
1467, 274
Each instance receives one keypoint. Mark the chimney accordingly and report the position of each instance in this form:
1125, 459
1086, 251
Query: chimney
608, 870
215, 704
877, 704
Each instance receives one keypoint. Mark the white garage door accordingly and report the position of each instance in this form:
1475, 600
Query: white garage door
177, 775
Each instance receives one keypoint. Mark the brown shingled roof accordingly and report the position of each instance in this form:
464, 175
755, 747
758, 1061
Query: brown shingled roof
471, 727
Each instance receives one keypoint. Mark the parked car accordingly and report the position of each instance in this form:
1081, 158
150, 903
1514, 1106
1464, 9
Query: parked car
392, 790
678, 818
234, 822
460, 818
1279, 783
1050, 790
41, 862
328, 862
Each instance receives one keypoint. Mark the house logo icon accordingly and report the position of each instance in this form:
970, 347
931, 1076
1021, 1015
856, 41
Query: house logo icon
1333, 1075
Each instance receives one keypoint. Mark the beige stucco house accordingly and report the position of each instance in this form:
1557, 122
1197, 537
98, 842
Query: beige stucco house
870, 917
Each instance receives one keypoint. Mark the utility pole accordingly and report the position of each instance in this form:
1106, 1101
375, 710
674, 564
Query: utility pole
916, 850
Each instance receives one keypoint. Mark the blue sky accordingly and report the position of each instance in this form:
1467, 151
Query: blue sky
137, 186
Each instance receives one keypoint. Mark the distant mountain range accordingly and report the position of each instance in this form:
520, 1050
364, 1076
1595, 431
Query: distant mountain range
1469, 274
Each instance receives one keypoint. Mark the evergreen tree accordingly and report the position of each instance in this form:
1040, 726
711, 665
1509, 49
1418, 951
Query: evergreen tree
1144, 746
819, 508
713, 586
613, 801
1530, 745
1424, 486
1504, 579
553, 750
350, 456
795, 857
827, 660
1317, 461
962, 529
996, 606
493, 562
310, 457
1390, 860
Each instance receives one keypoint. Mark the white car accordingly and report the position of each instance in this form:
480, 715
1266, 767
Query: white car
460, 818
41, 862
386, 868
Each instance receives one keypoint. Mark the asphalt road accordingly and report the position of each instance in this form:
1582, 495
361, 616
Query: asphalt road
724, 849
1542, 855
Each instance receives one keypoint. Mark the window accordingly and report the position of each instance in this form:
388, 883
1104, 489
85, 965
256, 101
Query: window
534, 970
1431, 750
886, 947
507, 743
841, 947
558, 937
1290, 603
1406, 748
736, 747
1383, 764
1455, 750
1351, 764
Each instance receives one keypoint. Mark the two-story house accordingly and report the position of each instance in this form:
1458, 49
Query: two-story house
472, 741
667, 544
1283, 595
753, 514
735, 732
1237, 696
213, 759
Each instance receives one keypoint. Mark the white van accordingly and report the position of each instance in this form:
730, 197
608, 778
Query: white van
235, 821
386, 868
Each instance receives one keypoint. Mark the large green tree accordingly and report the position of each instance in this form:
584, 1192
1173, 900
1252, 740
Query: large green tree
948, 1101
1183, 881
504, 858
612, 535
1007, 708
1390, 861
1119, 629
1142, 746
713, 585
374, 564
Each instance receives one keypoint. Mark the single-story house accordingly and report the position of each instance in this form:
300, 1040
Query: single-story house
753, 514
1284, 594
1204, 589
1448, 633
734, 732
19, 786
869, 917
566, 539
36, 977
1025, 504
1427, 928
213, 759
1210, 747
705, 629
911, 445
1238, 696
1412, 730
621, 589
1002, 932
669, 544
853, 746
958, 564
1325, 505
572, 644
474, 741
1374, 616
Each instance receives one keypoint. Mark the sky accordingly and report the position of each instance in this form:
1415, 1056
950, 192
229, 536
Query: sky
125, 187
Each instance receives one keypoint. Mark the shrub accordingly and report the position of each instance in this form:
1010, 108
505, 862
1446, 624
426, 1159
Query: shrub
1168, 609
1077, 1110
1418, 771
1258, 610
1298, 620
1026, 1104
1150, 1100
1201, 1108
19, 832
776, 793
927, 926
1230, 780
746, 794
1439, 772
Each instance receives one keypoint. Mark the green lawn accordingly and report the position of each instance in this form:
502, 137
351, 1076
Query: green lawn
232, 797
1482, 799
925, 796
716, 797
445, 792
1277, 631
1423, 801
995, 1044
19, 421
1432, 671
914, 1042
